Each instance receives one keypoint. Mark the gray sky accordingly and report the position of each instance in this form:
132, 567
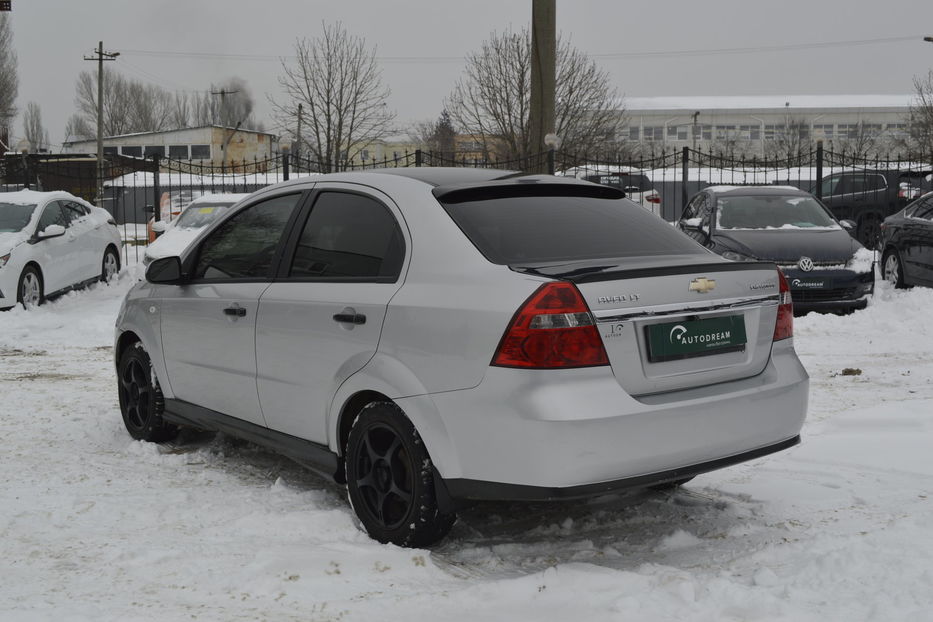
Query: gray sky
648, 48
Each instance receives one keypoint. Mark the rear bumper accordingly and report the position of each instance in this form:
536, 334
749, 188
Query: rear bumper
568, 433
474, 490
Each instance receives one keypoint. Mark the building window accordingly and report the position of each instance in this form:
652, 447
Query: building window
677, 132
152, 150
724, 132
750, 132
848, 130
179, 152
132, 151
634, 133
365, 154
824, 130
773, 131
872, 129
654, 133
200, 152
110, 151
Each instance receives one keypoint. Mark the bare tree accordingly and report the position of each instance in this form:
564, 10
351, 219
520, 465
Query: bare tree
920, 127
437, 136
860, 141
492, 99
9, 80
36, 134
789, 139
339, 84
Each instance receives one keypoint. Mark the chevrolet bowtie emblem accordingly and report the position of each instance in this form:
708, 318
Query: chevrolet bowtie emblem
702, 285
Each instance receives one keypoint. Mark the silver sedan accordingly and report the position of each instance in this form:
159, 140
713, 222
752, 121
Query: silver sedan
432, 337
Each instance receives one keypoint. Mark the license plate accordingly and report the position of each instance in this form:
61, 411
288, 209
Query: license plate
811, 283
680, 340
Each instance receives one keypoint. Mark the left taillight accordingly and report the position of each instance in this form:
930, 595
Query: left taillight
654, 198
553, 329
784, 326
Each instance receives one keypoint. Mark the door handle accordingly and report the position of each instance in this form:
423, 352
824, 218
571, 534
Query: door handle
235, 311
350, 318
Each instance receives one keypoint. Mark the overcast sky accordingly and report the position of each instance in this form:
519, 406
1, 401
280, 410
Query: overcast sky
649, 48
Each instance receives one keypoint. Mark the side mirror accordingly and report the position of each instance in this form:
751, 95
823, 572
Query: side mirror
165, 271
159, 226
847, 224
52, 231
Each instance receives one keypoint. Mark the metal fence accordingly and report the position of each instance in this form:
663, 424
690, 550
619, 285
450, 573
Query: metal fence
136, 190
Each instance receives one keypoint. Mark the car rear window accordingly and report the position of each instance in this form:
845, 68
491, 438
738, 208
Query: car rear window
518, 230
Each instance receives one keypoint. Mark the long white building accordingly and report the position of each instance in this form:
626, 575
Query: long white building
750, 124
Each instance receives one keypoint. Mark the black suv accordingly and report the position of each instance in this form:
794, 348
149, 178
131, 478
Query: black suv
867, 197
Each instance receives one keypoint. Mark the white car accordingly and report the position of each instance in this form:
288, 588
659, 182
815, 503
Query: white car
51, 242
176, 235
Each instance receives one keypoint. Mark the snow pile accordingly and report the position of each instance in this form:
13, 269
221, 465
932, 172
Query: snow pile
98, 527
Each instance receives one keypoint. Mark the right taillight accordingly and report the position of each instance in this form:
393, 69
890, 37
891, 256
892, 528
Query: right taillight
554, 329
784, 327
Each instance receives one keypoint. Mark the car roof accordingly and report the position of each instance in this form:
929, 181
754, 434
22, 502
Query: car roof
756, 190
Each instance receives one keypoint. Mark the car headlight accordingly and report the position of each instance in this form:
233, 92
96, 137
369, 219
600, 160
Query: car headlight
736, 256
5, 258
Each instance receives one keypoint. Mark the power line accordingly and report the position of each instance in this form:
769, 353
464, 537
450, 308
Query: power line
609, 56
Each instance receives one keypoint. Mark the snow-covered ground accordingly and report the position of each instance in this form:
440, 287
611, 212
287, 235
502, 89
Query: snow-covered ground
95, 526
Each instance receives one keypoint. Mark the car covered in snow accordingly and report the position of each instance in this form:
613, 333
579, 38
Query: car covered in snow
51, 242
175, 235
828, 270
432, 337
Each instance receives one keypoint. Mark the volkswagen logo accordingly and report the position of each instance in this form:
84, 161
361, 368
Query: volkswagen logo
805, 264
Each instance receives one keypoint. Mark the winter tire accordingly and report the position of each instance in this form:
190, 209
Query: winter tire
141, 400
893, 271
110, 265
390, 479
29, 289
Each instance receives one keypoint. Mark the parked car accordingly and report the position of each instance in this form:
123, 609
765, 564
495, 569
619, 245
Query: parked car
867, 197
907, 244
175, 235
51, 242
635, 184
827, 269
435, 336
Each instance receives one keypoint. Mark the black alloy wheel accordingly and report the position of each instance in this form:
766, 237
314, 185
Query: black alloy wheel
892, 270
141, 400
390, 479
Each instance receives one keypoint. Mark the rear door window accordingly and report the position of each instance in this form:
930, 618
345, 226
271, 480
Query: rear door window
540, 229
348, 237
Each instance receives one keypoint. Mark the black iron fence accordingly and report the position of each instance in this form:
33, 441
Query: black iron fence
137, 190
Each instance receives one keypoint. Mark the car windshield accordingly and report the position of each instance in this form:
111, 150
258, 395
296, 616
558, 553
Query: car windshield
772, 212
522, 230
200, 215
14, 217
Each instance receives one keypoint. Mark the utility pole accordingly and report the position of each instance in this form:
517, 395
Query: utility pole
543, 73
100, 58
298, 142
223, 101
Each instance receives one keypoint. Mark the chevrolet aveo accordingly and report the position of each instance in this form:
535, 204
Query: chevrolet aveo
432, 337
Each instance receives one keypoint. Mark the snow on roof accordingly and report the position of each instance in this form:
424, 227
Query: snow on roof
32, 197
738, 102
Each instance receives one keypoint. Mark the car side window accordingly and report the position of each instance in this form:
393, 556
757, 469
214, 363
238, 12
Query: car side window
924, 209
875, 182
691, 210
348, 236
244, 246
51, 215
832, 186
704, 211
73, 211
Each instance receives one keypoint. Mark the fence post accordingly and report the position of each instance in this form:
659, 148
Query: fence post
417, 157
819, 170
156, 190
285, 166
550, 161
684, 174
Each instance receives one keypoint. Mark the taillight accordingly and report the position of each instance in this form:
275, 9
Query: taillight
784, 327
553, 329
654, 198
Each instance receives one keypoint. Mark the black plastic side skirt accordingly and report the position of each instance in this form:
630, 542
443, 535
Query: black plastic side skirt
474, 490
318, 458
